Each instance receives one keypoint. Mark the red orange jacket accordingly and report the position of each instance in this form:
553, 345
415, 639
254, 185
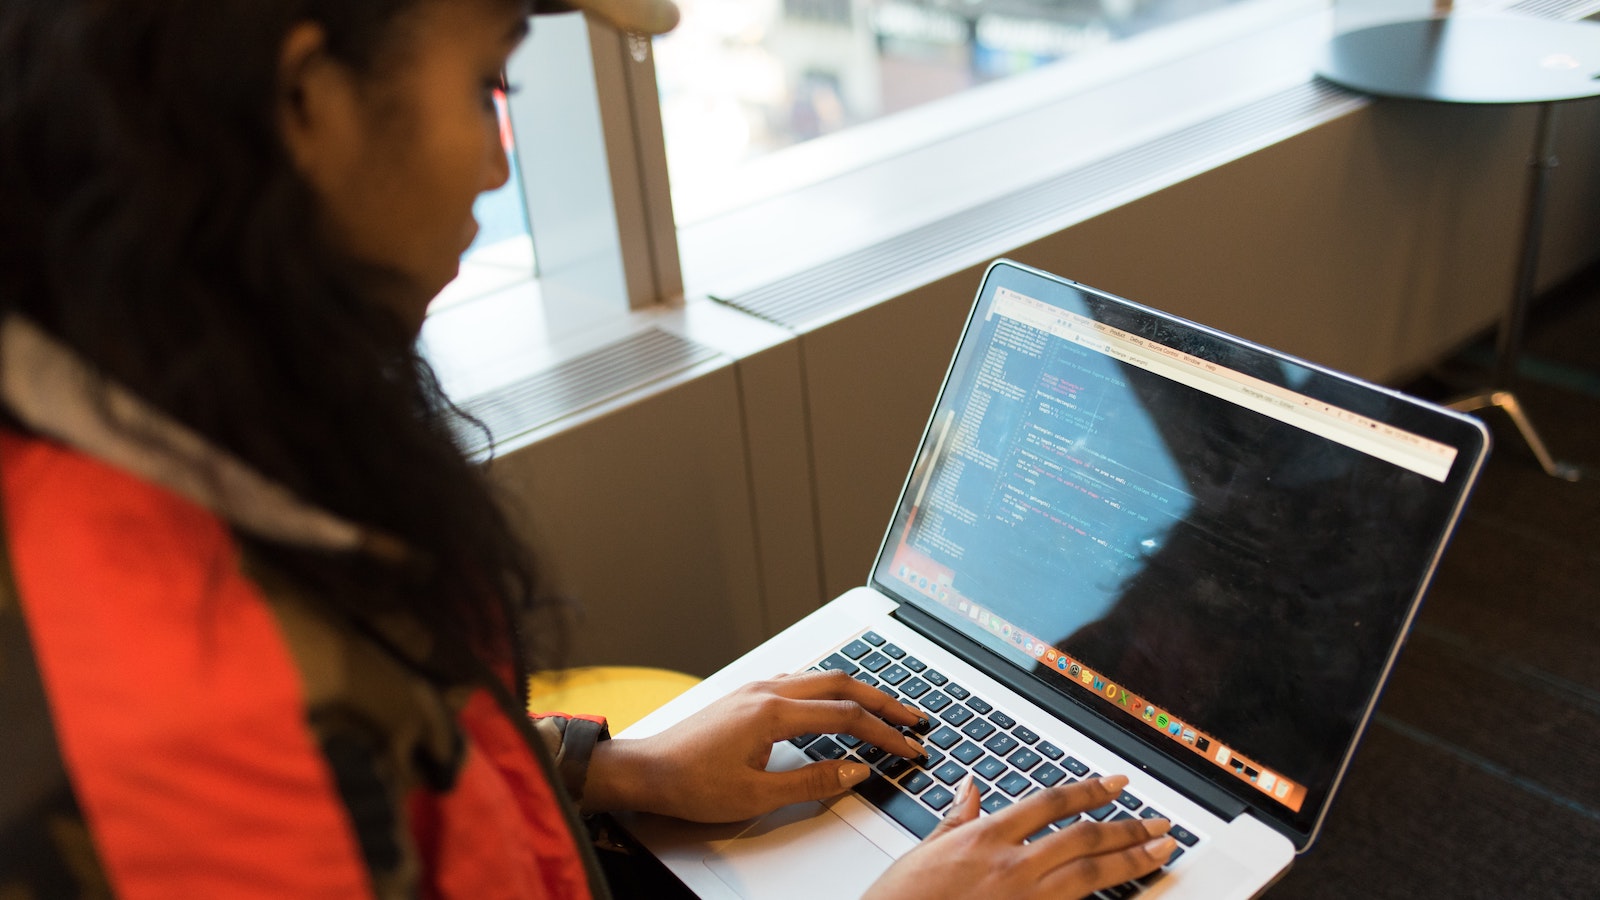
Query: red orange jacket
175, 721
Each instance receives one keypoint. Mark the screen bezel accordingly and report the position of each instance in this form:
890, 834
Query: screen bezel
1466, 434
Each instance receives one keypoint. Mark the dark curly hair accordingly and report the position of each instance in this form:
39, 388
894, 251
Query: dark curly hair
151, 219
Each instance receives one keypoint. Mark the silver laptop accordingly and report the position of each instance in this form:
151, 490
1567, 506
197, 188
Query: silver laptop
1128, 544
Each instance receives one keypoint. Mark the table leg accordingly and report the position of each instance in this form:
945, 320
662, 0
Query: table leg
1507, 401
1508, 345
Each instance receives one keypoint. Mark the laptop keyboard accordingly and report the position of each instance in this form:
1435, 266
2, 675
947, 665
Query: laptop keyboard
963, 734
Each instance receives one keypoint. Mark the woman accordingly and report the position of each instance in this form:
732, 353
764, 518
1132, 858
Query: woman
263, 628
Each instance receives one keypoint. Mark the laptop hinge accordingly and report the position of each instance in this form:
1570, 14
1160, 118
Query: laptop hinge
1213, 799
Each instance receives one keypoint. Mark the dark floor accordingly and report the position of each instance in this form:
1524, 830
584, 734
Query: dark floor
1480, 776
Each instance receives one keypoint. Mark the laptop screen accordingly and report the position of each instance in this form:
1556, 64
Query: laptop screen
1216, 547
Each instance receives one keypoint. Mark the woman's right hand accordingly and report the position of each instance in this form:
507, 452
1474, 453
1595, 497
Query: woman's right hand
969, 857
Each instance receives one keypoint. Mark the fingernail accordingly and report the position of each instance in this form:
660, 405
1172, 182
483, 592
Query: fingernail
913, 710
852, 774
1154, 827
964, 792
1114, 783
1161, 848
916, 747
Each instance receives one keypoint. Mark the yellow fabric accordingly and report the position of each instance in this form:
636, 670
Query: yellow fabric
623, 694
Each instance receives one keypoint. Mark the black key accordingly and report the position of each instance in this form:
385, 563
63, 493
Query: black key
955, 690
936, 701
968, 752
824, 748
1102, 813
995, 802
874, 661
1001, 719
982, 787
894, 674
945, 738
914, 664
1176, 852
1049, 750
1001, 744
1119, 891
989, 768
1150, 813
855, 649
1040, 835
1068, 822
849, 740
934, 757
837, 663
1129, 800
1024, 734
804, 739
922, 727
894, 766
873, 638
935, 677
1048, 775
938, 798
864, 678
917, 781
1122, 816
1024, 759
914, 688
1182, 835
1075, 767
872, 754
978, 729
894, 651
1014, 784
955, 715
950, 773
898, 806
979, 704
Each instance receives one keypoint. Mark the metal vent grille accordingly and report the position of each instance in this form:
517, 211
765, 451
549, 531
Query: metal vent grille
578, 384
1556, 9
815, 293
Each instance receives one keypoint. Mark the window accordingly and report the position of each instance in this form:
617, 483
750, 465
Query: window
742, 80
761, 100
1000, 122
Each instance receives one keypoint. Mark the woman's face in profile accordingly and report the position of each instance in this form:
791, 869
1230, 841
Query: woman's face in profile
398, 156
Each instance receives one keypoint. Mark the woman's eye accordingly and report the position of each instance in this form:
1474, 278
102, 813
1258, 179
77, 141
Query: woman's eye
496, 90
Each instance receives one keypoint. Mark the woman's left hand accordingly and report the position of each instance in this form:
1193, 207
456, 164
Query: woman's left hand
711, 767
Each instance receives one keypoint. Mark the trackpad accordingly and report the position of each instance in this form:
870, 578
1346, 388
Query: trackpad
803, 852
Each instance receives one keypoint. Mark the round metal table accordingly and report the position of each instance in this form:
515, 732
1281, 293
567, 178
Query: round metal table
1489, 60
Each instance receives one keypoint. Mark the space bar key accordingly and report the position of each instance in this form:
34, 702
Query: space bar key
902, 808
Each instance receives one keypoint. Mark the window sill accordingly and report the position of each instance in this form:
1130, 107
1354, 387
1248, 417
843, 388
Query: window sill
492, 349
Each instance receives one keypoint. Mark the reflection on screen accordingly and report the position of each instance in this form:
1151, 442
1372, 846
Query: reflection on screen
1189, 544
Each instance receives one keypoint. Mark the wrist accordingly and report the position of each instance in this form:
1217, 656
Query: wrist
618, 779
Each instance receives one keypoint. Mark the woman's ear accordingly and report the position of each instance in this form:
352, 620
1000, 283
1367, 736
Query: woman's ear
318, 112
